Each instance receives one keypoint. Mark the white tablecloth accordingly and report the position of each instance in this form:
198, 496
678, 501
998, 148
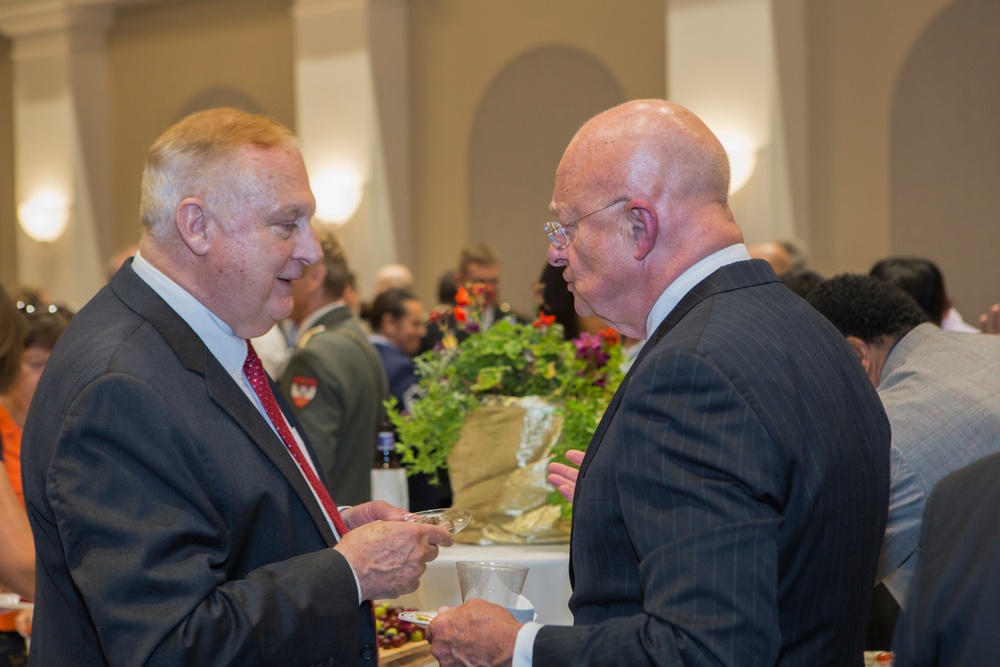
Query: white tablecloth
547, 585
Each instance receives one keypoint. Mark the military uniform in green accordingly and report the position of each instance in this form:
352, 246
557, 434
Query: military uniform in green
336, 385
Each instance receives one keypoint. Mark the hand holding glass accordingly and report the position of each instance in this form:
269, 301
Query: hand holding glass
499, 583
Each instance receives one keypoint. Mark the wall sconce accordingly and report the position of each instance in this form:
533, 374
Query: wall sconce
338, 195
44, 217
742, 159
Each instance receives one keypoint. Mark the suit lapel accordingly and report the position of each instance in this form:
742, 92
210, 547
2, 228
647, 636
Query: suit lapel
196, 357
730, 277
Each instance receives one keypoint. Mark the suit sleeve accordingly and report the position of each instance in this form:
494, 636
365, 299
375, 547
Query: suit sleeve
149, 547
677, 509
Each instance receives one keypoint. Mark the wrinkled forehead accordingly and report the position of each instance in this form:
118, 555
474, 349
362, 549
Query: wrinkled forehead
589, 171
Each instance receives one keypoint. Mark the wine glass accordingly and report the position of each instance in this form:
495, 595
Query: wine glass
452, 518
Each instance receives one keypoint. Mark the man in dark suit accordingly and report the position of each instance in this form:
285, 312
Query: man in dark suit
177, 514
952, 614
731, 504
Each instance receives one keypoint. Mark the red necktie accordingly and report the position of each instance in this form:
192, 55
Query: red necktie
254, 371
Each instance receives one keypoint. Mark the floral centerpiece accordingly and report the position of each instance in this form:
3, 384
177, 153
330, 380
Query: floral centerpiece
576, 378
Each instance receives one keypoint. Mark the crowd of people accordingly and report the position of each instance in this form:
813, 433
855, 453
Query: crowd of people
195, 461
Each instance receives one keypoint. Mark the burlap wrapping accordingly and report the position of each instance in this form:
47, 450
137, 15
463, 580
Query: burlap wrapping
498, 469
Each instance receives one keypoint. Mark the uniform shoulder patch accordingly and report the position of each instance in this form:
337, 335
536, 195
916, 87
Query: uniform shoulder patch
303, 390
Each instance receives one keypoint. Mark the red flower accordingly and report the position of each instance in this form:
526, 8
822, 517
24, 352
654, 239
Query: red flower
610, 336
544, 320
460, 315
462, 298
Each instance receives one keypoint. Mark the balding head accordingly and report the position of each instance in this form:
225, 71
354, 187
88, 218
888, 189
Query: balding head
393, 276
655, 148
672, 174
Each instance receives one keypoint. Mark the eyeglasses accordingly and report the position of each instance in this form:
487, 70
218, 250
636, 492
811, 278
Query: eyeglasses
556, 231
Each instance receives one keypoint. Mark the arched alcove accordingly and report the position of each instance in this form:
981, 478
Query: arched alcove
945, 152
522, 124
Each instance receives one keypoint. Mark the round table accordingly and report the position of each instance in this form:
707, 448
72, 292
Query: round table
547, 585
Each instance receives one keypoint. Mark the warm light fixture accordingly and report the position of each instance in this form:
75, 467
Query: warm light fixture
742, 159
44, 217
338, 195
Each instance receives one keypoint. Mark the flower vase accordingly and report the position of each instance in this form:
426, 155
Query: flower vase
498, 469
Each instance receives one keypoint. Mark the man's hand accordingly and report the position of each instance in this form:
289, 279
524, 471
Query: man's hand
563, 477
388, 557
376, 510
990, 322
476, 633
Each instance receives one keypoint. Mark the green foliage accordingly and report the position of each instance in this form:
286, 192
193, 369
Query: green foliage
509, 359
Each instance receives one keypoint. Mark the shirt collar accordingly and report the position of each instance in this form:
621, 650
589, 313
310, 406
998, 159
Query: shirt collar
684, 282
228, 348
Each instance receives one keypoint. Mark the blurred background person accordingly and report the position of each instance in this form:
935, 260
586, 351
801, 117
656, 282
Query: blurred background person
334, 378
43, 326
940, 391
783, 256
17, 551
801, 281
924, 282
397, 319
479, 272
392, 276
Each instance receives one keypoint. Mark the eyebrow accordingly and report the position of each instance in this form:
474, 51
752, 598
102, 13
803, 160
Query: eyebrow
287, 210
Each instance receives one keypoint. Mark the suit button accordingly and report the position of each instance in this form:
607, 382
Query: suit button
368, 652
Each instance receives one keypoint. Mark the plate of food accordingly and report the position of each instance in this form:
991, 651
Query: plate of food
451, 518
419, 618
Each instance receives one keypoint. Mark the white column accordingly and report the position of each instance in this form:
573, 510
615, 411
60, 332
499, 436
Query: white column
353, 116
62, 139
722, 64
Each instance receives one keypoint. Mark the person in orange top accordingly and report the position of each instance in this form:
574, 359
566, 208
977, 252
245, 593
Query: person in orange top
43, 326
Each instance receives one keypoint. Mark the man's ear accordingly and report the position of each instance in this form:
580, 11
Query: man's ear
193, 226
643, 227
862, 351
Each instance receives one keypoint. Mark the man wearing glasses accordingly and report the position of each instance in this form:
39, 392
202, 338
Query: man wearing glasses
732, 501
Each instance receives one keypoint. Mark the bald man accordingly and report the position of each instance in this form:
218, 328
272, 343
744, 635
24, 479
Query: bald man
731, 504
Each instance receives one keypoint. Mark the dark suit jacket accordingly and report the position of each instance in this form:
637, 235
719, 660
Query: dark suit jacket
732, 502
953, 612
172, 527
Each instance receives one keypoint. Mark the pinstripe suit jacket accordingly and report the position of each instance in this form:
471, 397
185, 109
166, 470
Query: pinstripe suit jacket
733, 499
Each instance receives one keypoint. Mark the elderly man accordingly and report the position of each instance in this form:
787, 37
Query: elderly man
178, 516
732, 501
940, 390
